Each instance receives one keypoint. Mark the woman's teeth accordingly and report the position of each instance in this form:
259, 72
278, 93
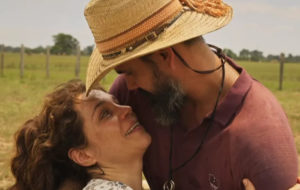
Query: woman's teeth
132, 128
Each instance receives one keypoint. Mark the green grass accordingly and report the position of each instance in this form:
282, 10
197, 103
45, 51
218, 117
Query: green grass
21, 98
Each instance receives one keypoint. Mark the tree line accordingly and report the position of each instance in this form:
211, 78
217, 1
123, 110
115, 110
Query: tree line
65, 44
257, 56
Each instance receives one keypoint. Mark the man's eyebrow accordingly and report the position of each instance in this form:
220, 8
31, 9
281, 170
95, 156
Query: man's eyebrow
147, 58
99, 104
119, 71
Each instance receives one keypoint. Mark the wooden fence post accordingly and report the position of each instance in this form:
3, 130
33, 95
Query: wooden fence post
47, 61
281, 69
2, 61
22, 62
77, 68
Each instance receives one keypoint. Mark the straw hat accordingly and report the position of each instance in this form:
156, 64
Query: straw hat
127, 29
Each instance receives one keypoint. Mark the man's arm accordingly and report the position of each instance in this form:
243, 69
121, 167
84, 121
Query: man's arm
249, 186
266, 155
70, 184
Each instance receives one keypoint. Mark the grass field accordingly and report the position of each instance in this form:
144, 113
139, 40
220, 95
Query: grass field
21, 98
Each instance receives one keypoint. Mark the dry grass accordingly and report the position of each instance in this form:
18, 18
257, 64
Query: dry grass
5, 151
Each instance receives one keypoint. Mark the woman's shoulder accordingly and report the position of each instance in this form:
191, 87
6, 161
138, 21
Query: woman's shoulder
102, 184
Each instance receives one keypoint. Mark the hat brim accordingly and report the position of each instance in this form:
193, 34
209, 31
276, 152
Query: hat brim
189, 25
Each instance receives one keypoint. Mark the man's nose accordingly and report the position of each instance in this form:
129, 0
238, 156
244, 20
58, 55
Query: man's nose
131, 83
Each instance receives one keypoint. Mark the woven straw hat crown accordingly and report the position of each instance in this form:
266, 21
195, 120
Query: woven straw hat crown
127, 29
108, 18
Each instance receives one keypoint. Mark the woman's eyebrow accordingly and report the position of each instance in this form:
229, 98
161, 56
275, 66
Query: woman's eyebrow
115, 100
99, 104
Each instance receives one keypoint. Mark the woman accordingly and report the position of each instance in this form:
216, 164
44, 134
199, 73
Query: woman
91, 140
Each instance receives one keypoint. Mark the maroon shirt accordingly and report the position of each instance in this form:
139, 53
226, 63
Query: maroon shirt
250, 138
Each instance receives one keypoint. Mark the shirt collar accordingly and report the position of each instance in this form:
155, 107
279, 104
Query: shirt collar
233, 101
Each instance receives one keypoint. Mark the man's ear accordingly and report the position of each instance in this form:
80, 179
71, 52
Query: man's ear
81, 157
168, 56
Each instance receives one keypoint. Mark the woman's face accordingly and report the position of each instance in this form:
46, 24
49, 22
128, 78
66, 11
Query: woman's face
112, 130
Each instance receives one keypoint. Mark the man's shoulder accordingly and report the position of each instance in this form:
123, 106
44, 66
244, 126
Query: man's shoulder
119, 89
262, 101
118, 85
260, 115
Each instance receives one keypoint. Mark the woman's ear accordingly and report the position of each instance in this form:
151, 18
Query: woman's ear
81, 157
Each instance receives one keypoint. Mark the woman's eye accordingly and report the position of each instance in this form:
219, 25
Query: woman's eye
105, 114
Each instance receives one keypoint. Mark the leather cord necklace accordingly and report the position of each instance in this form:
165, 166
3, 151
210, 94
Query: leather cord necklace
170, 183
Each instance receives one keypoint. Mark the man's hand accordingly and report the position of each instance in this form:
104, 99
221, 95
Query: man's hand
249, 186
297, 186
71, 184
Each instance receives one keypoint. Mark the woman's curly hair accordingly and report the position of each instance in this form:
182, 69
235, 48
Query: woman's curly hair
41, 161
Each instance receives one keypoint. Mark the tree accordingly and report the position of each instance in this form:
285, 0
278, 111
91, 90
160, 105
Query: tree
39, 49
290, 58
244, 54
256, 55
88, 50
64, 44
230, 53
271, 57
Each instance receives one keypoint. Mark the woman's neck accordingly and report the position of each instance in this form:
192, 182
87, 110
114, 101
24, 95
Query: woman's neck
129, 174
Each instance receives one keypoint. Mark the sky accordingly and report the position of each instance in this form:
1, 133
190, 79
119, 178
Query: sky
271, 26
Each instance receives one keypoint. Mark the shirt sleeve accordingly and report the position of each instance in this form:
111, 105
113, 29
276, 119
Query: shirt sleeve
262, 143
119, 90
267, 157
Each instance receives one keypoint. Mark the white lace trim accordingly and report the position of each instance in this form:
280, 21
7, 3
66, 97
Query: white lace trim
101, 184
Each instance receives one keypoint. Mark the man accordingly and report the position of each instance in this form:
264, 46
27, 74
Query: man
211, 124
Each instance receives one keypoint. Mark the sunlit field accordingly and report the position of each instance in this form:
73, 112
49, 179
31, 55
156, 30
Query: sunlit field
21, 98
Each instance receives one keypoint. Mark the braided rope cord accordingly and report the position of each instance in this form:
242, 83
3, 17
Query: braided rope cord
215, 8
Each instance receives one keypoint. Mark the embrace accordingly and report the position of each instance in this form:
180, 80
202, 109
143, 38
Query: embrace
180, 111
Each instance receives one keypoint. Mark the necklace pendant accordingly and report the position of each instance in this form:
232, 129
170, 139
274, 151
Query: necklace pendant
169, 185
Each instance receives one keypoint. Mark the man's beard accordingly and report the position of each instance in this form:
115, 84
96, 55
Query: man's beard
167, 100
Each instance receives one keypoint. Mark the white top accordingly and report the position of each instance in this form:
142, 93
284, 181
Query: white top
102, 184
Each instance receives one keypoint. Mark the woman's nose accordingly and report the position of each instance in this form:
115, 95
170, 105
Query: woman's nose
124, 111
